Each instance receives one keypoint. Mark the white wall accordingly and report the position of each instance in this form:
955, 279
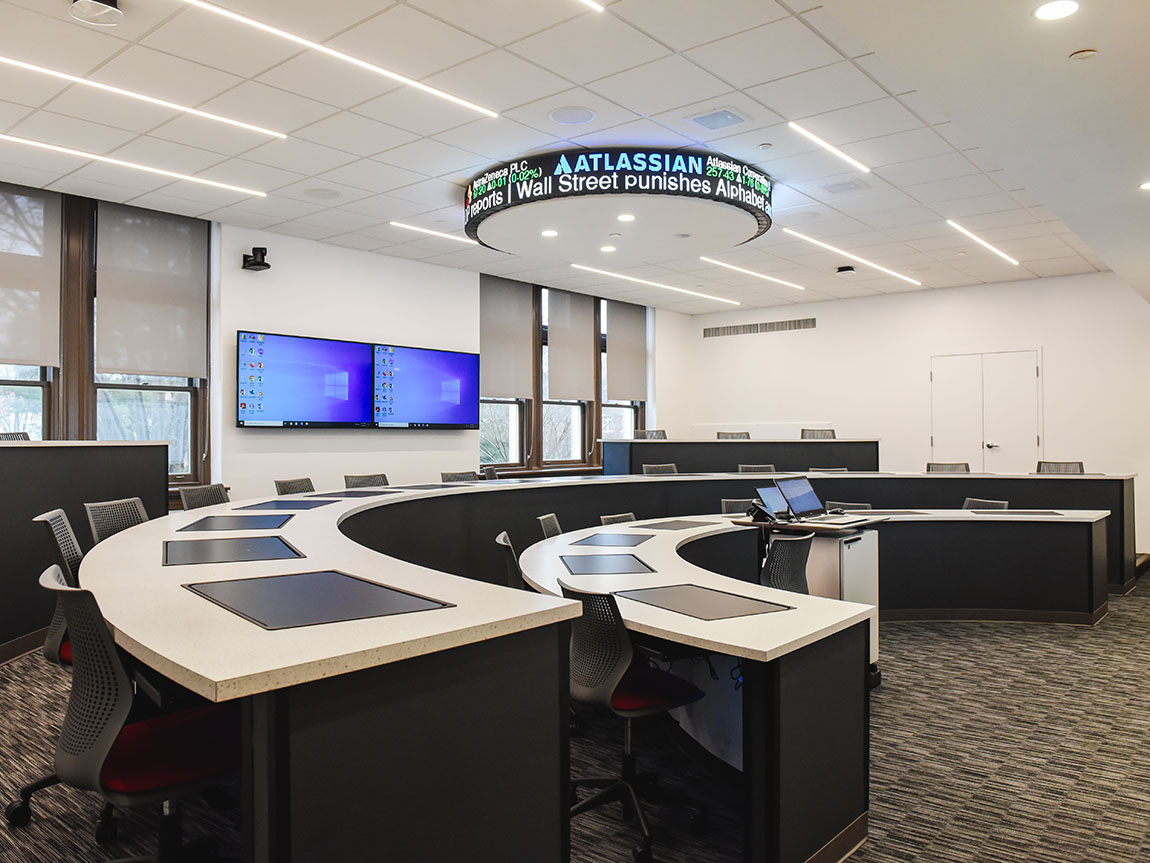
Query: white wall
865, 368
314, 289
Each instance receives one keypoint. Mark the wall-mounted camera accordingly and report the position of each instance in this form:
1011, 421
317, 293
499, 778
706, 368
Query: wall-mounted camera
256, 260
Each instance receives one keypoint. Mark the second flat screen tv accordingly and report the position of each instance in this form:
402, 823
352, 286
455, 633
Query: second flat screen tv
302, 382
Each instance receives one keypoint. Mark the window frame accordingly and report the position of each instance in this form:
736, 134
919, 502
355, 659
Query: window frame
44, 383
520, 432
194, 388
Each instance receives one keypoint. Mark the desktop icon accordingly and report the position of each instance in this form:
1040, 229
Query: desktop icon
243, 405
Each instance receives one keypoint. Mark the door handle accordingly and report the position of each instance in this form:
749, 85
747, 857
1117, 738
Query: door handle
990, 445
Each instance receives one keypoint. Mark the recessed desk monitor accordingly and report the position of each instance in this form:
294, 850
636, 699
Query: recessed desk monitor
676, 524
603, 564
774, 501
359, 492
626, 540
310, 598
180, 552
238, 522
287, 504
703, 603
431, 485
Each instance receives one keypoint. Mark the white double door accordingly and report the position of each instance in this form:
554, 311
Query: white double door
985, 410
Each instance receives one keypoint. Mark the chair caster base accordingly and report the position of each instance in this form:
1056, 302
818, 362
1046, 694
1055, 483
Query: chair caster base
107, 830
873, 677
642, 854
18, 813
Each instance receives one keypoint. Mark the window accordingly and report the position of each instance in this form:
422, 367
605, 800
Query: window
620, 419
22, 398
150, 407
501, 432
564, 420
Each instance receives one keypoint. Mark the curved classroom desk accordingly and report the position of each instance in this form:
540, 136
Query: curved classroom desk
804, 742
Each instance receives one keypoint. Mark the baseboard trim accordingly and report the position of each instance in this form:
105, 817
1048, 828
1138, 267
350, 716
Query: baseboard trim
1007, 615
9, 650
845, 844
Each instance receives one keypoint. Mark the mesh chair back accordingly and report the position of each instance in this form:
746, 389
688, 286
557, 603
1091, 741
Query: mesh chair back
601, 649
650, 434
947, 467
733, 506
490, 473
514, 576
786, 566
366, 480
652, 469
842, 504
101, 695
459, 476
756, 468
733, 435
109, 517
15, 436
550, 525
817, 434
70, 556
203, 495
299, 485
1060, 467
979, 503
617, 518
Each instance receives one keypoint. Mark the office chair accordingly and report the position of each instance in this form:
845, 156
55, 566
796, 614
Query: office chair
844, 505
618, 518
21, 435
756, 468
605, 674
203, 495
650, 434
459, 476
979, 503
365, 480
734, 506
490, 473
732, 435
514, 576
1060, 467
653, 469
786, 566
300, 485
817, 434
947, 467
828, 469
132, 764
550, 525
109, 517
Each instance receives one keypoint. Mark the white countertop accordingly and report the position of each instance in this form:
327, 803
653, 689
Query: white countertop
99, 443
743, 440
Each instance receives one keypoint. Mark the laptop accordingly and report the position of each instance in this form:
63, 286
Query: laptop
774, 501
806, 506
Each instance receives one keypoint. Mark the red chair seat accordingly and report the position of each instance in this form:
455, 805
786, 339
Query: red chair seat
646, 688
174, 749
66, 652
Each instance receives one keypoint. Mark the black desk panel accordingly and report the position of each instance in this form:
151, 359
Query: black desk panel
287, 504
238, 522
232, 550
623, 540
704, 603
623, 457
603, 564
357, 492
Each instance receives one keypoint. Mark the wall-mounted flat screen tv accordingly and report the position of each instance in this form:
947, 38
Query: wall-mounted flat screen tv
303, 382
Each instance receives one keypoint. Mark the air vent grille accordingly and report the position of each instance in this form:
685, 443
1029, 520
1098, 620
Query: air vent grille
764, 327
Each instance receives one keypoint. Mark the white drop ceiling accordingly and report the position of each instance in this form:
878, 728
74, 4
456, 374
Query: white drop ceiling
645, 67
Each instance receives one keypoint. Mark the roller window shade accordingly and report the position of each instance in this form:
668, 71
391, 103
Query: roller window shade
151, 293
30, 226
626, 351
506, 337
572, 346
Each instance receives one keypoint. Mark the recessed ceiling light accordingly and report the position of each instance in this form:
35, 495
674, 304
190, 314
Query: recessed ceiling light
550, 233
457, 239
321, 194
572, 115
681, 236
592, 4
109, 160
1145, 187
846, 254
766, 145
1084, 54
131, 94
751, 273
625, 217
1056, 9
655, 284
848, 270
829, 148
606, 248
981, 242
102, 13
339, 55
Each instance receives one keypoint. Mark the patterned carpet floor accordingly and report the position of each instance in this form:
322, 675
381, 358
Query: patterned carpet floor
990, 742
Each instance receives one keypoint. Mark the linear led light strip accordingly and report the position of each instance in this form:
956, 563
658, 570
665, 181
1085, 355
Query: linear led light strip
863, 261
108, 88
592, 4
829, 148
655, 284
339, 55
981, 242
109, 160
751, 273
434, 233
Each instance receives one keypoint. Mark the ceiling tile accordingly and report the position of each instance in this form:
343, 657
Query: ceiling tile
944, 167
638, 132
168, 155
267, 106
431, 158
497, 138
77, 185
924, 108
1068, 266
302, 156
818, 91
28, 88
889, 78
755, 115
949, 190
386, 207
208, 135
252, 175
315, 21
564, 49
805, 167
118, 175
87, 104
917, 144
355, 134
53, 42
328, 80
166, 203
659, 85
538, 113
498, 81
305, 190
164, 76
834, 31
278, 208
500, 21
354, 241
220, 43
765, 53
432, 193
407, 41
303, 230
746, 145
372, 175
416, 112
11, 114
958, 136
24, 156
678, 23
69, 132
901, 217
23, 176
140, 16
338, 219
861, 122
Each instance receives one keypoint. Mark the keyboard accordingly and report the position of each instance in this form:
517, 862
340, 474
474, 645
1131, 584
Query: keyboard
836, 519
